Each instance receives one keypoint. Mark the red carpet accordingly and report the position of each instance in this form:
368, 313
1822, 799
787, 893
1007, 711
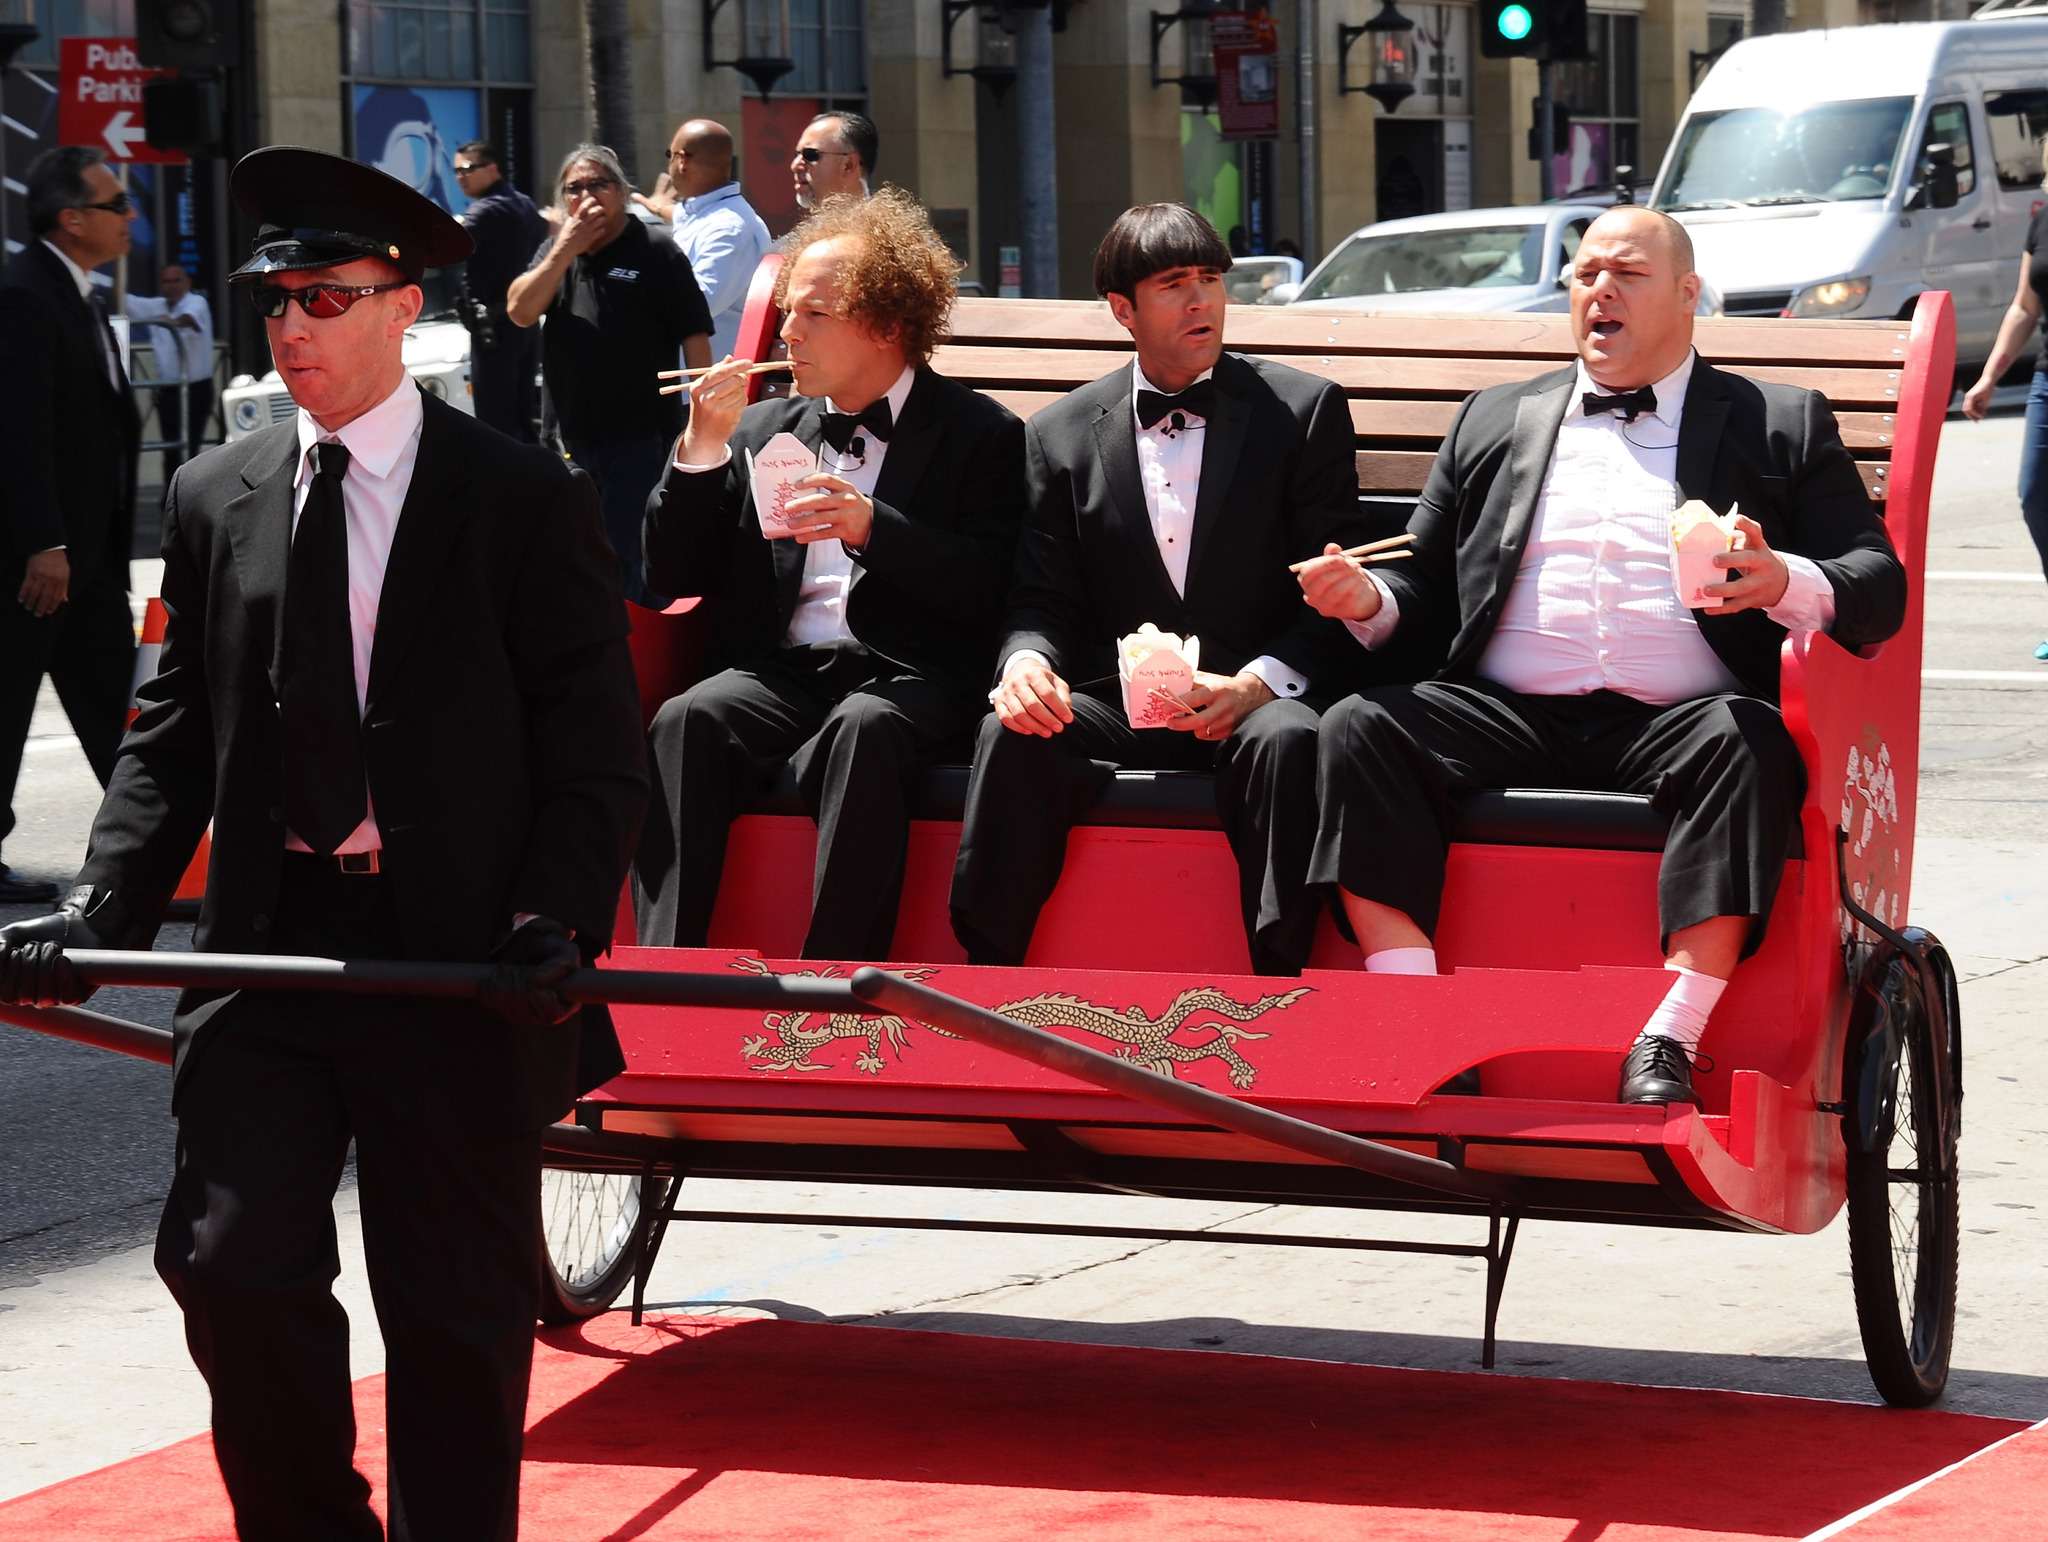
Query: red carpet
774, 1430
1999, 1495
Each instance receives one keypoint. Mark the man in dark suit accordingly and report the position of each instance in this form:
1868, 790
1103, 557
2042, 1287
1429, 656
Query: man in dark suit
854, 636
396, 679
68, 441
1542, 539
1174, 492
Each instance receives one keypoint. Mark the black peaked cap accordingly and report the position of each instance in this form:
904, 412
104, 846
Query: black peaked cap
315, 210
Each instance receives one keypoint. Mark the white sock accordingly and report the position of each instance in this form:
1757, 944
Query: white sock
1683, 1013
1401, 961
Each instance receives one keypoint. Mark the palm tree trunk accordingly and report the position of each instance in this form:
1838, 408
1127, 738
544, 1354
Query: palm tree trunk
609, 35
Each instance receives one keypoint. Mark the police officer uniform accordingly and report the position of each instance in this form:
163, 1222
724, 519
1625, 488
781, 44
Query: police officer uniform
506, 228
441, 762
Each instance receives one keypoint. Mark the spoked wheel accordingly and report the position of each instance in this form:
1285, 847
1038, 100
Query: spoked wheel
592, 1227
1903, 1192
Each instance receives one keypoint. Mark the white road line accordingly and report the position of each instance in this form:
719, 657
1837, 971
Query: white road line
2030, 676
1974, 576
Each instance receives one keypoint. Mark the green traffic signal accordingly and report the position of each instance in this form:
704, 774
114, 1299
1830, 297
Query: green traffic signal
1515, 22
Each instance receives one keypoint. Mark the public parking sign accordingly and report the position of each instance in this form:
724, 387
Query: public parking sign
101, 81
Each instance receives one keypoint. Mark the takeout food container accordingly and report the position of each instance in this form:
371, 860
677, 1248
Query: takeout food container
1698, 535
776, 472
1153, 665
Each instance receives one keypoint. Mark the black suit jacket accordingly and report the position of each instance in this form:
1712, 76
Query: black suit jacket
68, 435
1279, 479
927, 589
502, 736
1773, 449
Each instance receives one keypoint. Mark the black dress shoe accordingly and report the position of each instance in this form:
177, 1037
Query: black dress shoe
16, 890
1658, 1069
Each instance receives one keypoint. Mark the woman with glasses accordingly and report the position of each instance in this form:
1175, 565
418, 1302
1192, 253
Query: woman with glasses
619, 300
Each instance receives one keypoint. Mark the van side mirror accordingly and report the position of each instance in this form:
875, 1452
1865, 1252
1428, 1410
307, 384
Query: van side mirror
1938, 185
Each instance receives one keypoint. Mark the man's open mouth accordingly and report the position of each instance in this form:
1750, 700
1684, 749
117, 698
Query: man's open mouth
1606, 328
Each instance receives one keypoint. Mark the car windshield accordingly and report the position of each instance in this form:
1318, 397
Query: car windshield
442, 288
1480, 257
1753, 156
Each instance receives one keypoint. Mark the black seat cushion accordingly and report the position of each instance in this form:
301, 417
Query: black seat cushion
1186, 800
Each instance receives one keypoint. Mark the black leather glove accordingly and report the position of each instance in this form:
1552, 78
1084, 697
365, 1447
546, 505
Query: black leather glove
33, 969
536, 957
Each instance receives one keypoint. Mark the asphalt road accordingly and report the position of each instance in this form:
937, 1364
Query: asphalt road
86, 1139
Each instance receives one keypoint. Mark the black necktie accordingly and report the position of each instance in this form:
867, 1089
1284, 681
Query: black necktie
841, 428
112, 349
1199, 398
324, 796
1624, 404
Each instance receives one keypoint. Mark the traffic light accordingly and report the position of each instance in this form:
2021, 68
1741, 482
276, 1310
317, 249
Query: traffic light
182, 114
187, 34
1533, 29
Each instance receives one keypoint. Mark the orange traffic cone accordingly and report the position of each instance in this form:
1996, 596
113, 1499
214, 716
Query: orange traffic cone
192, 887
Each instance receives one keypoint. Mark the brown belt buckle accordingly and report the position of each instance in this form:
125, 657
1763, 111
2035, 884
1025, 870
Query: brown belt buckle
359, 862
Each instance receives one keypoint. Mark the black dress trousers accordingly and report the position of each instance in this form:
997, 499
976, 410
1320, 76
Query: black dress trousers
267, 1107
1027, 792
87, 647
858, 730
1722, 768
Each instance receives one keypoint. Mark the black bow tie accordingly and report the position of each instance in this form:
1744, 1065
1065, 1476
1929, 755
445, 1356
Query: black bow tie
1625, 404
841, 428
1199, 399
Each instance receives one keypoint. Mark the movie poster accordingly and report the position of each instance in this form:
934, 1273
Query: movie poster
412, 134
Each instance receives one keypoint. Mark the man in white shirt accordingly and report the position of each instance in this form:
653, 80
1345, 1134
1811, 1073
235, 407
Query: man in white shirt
716, 228
1542, 541
853, 639
181, 340
1174, 491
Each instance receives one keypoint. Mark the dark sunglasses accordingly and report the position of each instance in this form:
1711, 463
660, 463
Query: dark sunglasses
120, 203
811, 157
324, 301
463, 171
594, 185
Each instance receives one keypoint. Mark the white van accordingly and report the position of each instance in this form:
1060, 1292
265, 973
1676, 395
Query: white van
1842, 173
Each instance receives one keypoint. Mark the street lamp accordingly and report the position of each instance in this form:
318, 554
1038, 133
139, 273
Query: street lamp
764, 41
995, 44
16, 31
1392, 37
1197, 77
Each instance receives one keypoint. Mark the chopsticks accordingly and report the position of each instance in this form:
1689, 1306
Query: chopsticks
1371, 551
680, 375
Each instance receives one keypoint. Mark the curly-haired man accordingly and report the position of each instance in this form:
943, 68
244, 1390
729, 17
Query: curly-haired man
854, 634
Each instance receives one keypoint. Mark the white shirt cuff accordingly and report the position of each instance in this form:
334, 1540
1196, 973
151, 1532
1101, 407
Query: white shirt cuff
1283, 682
720, 464
1025, 653
1808, 604
1380, 625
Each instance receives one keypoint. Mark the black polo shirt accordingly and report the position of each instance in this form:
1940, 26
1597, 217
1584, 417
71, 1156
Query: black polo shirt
618, 319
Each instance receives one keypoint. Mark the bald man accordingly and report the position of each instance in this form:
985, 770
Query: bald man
1542, 549
716, 228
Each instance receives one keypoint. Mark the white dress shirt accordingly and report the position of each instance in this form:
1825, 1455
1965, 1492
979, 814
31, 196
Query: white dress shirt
1170, 470
1593, 606
83, 280
725, 241
820, 614
383, 446
182, 353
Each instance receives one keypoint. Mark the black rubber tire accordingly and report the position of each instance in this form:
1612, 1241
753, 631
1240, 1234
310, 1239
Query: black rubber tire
1904, 1242
593, 1226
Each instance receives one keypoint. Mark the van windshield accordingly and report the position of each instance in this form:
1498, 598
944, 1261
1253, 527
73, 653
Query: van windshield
1751, 156
1488, 257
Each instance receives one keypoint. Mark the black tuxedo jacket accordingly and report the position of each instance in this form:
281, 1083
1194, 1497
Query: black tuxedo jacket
927, 589
68, 435
1279, 478
1773, 449
502, 736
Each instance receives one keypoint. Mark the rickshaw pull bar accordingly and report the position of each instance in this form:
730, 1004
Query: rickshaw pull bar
94, 1028
906, 998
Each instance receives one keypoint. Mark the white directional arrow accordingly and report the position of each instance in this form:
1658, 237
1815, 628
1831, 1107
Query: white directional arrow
122, 139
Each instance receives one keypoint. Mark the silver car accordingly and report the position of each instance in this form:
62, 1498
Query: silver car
1495, 260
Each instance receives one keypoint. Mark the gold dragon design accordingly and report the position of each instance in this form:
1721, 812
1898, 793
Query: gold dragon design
1147, 1041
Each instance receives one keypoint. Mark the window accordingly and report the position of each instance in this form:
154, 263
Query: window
2018, 121
1949, 124
1602, 96
828, 40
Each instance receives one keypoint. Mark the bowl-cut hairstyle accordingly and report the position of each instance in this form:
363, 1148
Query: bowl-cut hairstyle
1152, 238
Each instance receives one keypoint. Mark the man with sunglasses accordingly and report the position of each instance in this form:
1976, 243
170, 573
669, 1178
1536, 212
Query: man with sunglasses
620, 303
506, 228
396, 680
835, 155
68, 441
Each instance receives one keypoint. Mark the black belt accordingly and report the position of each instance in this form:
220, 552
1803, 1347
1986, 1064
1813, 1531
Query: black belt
354, 863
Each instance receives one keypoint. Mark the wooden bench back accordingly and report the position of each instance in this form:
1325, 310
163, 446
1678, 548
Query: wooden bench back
1405, 375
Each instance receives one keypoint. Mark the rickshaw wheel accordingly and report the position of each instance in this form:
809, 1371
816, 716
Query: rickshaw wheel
1904, 1212
592, 1228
